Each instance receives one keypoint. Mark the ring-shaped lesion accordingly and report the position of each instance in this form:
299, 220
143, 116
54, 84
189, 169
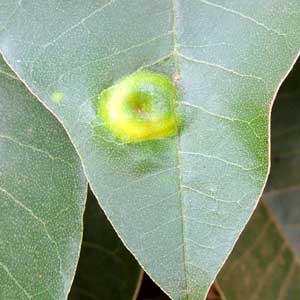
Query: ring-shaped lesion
140, 107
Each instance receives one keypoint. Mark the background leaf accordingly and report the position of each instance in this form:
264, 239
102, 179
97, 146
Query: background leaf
262, 265
179, 204
106, 270
42, 196
282, 194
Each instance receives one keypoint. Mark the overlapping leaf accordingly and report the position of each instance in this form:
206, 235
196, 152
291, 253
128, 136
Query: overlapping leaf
42, 196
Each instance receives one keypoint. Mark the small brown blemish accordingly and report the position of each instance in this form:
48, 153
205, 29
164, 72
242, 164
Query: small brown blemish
176, 77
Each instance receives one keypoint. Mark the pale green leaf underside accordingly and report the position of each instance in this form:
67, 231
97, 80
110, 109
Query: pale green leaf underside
180, 203
42, 196
263, 264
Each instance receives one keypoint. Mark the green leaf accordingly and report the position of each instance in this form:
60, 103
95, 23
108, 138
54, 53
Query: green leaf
179, 204
42, 197
263, 264
106, 270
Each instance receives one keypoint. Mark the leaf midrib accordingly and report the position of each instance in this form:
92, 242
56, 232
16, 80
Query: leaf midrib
178, 151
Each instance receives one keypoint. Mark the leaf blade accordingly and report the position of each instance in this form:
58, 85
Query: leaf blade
42, 185
270, 245
227, 82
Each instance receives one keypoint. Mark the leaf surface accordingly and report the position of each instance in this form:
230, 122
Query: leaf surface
42, 197
179, 204
264, 262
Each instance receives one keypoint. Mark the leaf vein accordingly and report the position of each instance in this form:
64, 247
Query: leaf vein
243, 16
99, 9
35, 149
78, 67
4, 267
39, 220
179, 161
221, 160
11, 76
207, 195
228, 70
214, 114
